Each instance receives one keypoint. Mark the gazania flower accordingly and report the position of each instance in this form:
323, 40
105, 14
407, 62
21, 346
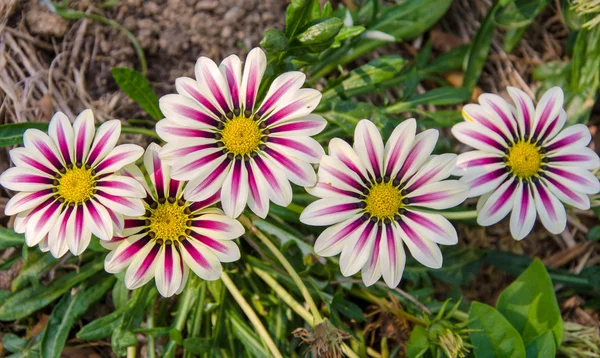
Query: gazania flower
67, 184
223, 141
525, 162
173, 235
374, 195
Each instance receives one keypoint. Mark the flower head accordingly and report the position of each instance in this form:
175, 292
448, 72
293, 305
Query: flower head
372, 195
525, 161
223, 140
67, 185
173, 235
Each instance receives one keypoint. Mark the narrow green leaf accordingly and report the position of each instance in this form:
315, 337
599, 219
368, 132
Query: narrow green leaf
296, 15
530, 304
27, 301
439, 96
418, 343
480, 47
542, 346
492, 335
12, 133
347, 114
136, 86
31, 270
248, 337
66, 312
9, 238
197, 345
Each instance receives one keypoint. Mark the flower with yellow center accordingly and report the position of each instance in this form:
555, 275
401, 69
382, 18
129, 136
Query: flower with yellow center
372, 196
67, 184
525, 163
174, 234
223, 140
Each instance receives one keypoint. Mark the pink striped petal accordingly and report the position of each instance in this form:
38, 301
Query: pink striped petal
358, 250
432, 226
437, 168
188, 87
421, 150
218, 226
566, 194
258, 198
173, 151
23, 201
525, 111
212, 84
343, 152
97, 220
24, 179
309, 125
208, 180
143, 266
391, 255
61, 131
169, 271
522, 217
201, 260
584, 158
282, 91
41, 221
121, 185
439, 195
399, 145
501, 114
479, 137
371, 271
22, 158
335, 173
189, 166
422, 249
577, 179
303, 148
234, 194
547, 110
327, 190
225, 251
476, 161
83, 129
119, 157
157, 170
303, 102
369, 147
186, 112
78, 229
555, 126
231, 70
330, 211
577, 135
121, 204
132, 171
42, 146
279, 188
333, 239
171, 131
254, 69
550, 210
297, 171
499, 204
105, 140
57, 237
486, 181
117, 260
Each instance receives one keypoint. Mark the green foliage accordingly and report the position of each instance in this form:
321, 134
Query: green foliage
12, 133
542, 346
492, 335
9, 238
530, 305
136, 86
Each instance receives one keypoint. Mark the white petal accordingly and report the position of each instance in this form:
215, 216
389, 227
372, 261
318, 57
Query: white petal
83, 130
258, 190
551, 211
201, 260
522, 217
419, 153
105, 140
212, 84
254, 69
119, 157
61, 131
479, 137
358, 250
282, 91
79, 233
234, 194
422, 249
398, 146
391, 255
332, 240
143, 266
330, 211
97, 220
280, 190
438, 168
169, 271
435, 227
440, 195
41, 222
499, 204
369, 147
483, 182
525, 110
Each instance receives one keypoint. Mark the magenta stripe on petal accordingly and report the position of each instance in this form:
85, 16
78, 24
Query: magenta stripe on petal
62, 143
343, 177
333, 189
525, 203
188, 132
301, 147
544, 118
347, 230
424, 179
197, 205
334, 209
158, 175
550, 128
37, 165
425, 222
32, 196
376, 247
363, 238
415, 238
565, 190
214, 88
487, 177
131, 223
480, 162
350, 164
117, 199
114, 185
393, 155
268, 174
253, 185
268, 104
295, 126
173, 187
285, 111
372, 155
210, 224
31, 179
251, 87
93, 212
526, 115
212, 243
195, 254
201, 99
542, 191
236, 178
429, 197
570, 176
80, 144
47, 153
108, 161
483, 139
79, 221
194, 114
62, 230
131, 250
200, 162
99, 147
502, 116
569, 158
233, 87
146, 263
50, 210
168, 264
504, 197
570, 139
210, 178
287, 163
391, 243
410, 158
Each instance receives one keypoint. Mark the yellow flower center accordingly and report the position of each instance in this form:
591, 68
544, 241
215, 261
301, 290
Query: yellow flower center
241, 135
168, 221
76, 185
383, 201
524, 159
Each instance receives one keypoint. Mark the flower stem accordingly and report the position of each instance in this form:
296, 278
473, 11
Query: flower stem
261, 330
150, 338
185, 303
288, 267
453, 215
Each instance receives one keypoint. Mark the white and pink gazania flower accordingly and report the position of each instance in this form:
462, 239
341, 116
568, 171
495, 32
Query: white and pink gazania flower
525, 162
377, 198
223, 141
67, 186
173, 235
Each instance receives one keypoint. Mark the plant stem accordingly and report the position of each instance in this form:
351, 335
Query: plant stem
131, 352
150, 338
453, 215
135, 130
284, 295
288, 267
261, 330
185, 303
460, 316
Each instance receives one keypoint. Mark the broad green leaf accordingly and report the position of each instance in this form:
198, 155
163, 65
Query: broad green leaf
12, 133
542, 346
9, 238
530, 305
120, 294
480, 47
101, 327
296, 15
121, 339
323, 32
13, 343
346, 308
274, 41
347, 33
136, 86
418, 343
29, 300
366, 78
492, 335
439, 96
460, 266
32, 269
594, 233
347, 114
449, 61
67, 311
520, 13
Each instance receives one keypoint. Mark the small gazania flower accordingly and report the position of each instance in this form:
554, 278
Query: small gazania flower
67, 184
221, 140
173, 235
372, 196
525, 162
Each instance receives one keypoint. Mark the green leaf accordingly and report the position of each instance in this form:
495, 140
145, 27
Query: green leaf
347, 33
530, 304
248, 337
67, 311
32, 269
594, 233
346, 308
12, 133
418, 343
120, 294
197, 345
366, 78
27, 301
460, 266
520, 13
542, 346
9, 238
439, 96
136, 86
321, 33
101, 327
284, 236
274, 41
492, 335
296, 15
480, 47
121, 339
13, 343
